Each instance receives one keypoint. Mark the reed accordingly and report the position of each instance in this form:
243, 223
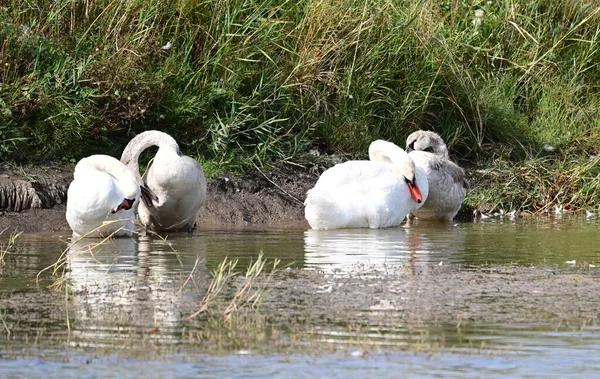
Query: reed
247, 293
5, 248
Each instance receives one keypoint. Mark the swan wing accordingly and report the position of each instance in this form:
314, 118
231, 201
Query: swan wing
446, 185
358, 194
179, 184
91, 199
353, 172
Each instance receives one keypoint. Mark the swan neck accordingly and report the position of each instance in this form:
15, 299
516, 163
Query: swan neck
141, 142
384, 151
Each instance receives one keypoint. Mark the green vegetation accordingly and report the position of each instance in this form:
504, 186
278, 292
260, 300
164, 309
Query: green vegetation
264, 81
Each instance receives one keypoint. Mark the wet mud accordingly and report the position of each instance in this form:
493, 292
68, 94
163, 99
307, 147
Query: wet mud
454, 295
365, 308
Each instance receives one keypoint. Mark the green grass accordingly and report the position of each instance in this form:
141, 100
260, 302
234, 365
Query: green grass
536, 186
258, 82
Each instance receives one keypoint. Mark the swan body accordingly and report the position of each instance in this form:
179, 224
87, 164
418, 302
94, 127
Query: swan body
446, 179
103, 191
359, 194
176, 182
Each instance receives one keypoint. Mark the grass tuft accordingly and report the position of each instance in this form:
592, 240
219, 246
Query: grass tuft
5, 248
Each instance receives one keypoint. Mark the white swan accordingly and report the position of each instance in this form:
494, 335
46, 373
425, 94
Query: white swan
103, 190
446, 179
358, 194
176, 182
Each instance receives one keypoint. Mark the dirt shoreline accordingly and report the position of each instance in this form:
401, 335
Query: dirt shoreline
33, 198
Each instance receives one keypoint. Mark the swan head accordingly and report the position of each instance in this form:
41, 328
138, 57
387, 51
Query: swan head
388, 152
407, 170
126, 204
424, 140
128, 182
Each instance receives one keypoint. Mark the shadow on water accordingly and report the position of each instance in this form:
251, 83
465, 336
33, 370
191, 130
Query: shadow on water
489, 294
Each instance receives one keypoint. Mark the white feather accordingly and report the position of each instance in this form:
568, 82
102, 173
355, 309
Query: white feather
177, 181
100, 184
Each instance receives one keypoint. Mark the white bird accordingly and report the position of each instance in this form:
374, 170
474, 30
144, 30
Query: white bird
103, 190
446, 179
358, 194
176, 182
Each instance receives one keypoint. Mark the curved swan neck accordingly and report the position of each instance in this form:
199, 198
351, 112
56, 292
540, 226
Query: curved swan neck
115, 168
384, 151
141, 142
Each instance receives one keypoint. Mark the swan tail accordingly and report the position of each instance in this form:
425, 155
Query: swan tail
322, 211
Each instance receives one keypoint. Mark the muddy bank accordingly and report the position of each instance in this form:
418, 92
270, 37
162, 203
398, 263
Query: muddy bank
33, 198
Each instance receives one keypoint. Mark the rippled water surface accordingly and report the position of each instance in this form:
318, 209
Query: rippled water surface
122, 308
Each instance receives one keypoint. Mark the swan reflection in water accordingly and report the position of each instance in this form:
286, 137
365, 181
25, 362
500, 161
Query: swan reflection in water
416, 247
131, 284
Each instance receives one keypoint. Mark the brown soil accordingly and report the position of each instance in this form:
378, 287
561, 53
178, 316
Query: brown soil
33, 198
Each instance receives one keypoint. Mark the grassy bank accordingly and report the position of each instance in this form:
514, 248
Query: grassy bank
265, 81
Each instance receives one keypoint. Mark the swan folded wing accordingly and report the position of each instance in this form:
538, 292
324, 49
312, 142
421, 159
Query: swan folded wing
457, 173
451, 172
93, 199
439, 166
94, 193
356, 194
353, 172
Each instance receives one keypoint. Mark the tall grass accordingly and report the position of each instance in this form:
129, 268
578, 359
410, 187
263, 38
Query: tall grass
264, 80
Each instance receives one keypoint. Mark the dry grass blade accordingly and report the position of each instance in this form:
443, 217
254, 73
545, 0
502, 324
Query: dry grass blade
246, 293
190, 276
4, 324
5, 248
221, 276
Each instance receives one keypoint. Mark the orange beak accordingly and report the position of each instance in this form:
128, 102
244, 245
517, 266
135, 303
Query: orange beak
125, 204
414, 192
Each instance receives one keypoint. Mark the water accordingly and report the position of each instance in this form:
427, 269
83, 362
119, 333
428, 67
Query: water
496, 297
